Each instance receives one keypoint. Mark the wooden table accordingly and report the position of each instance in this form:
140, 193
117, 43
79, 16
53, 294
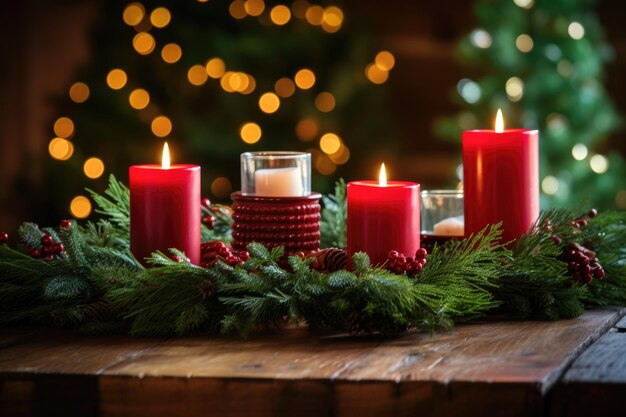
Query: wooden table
564, 368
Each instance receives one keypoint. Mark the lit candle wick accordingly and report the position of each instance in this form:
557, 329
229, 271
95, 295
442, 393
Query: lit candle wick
382, 176
165, 161
499, 122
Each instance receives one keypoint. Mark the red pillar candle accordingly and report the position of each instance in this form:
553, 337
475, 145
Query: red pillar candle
165, 209
383, 216
501, 179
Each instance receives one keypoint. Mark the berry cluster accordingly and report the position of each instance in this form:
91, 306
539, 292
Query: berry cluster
4, 237
214, 250
582, 263
399, 264
208, 220
48, 249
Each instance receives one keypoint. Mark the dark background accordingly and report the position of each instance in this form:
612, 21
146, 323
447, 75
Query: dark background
44, 43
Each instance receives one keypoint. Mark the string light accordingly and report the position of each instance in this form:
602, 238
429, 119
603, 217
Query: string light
171, 53
599, 164
197, 75
133, 14
469, 90
385, 60
284, 87
514, 89
299, 8
221, 187
237, 9
550, 185
251, 85
61, 149
579, 152
325, 102
481, 38
93, 168
307, 129
161, 126
254, 7
315, 15
524, 4
330, 143
250, 132
139, 99
333, 16
524, 43
215, 68
144, 43
63, 127
375, 74
305, 78
160, 17
280, 15
576, 30
80, 207
79, 92
225, 82
269, 103
116, 79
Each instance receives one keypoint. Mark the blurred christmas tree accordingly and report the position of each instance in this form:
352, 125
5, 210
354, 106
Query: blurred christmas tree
543, 62
214, 79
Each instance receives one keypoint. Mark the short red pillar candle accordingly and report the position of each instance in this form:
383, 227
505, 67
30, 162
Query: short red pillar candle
383, 216
501, 179
165, 209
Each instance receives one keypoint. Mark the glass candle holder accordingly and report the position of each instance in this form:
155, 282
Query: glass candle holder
276, 174
441, 216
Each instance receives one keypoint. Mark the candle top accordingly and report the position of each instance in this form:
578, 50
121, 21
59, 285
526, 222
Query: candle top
389, 184
159, 167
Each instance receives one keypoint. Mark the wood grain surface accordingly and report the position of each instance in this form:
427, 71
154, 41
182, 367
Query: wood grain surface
495, 368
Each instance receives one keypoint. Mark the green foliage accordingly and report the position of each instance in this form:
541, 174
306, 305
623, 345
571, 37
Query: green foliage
562, 94
116, 207
334, 218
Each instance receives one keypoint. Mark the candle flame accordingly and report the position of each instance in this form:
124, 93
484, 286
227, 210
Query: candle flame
382, 176
499, 122
165, 161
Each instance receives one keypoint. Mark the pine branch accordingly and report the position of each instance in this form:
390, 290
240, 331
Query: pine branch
116, 207
334, 217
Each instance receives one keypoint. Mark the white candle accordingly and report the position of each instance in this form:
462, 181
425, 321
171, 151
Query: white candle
452, 226
278, 182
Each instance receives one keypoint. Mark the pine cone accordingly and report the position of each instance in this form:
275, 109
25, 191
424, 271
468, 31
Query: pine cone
331, 259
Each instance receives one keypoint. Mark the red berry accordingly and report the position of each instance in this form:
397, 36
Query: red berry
585, 269
417, 267
599, 273
47, 240
393, 254
421, 253
35, 253
401, 261
206, 202
572, 266
316, 265
300, 254
4, 237
592, 213
47, 250
66, 224
220, 244
48, 257
58, 248
244, 255
557, 240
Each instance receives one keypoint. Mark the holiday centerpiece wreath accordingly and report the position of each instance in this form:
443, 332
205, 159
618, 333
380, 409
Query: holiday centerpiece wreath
85, 276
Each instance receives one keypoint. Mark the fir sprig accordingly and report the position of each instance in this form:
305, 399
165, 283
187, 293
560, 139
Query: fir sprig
334, 218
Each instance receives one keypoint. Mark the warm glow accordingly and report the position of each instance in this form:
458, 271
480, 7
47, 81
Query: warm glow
254, 7
307, 129
197, 75
315, 15
144, 43
116, 79
250, 132
237, 9
215, 67
80, 207
93, 168
514, 88
161, 126
133, 14
499, 122
325, 165
284, 87
376, 74
385, 60
325, 102
550, 185
79, 92
299, 8
139, 99
333, 17
171, 53
579, 151
330, 143
599, 164
524, 43
269, 103
305, 78
61, 149
221, 187
280, 15
341, 156
251, 84
382, 176
160, 17
576, 30
63, 127
165, 159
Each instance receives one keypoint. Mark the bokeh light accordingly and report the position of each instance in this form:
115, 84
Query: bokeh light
237, 9
254, 7
250, 132
93, 168
385, 60
315, 15
171, 53
341, 156
280, 15
215, 68
524, 43
299, 8
576, 30
481, 38
330, 143
599, 164
579, 151
221, 187
325, 102
79, 92
139, 99
116, 79
61, 149
305, 78
80, 207
197, 75
161, 126
514, 89
550, 185
269, 103
325, 165
63, 127
469, 90
284, 87
144, 43
133, 14
375, 74
160, 17
524, 4
307, 129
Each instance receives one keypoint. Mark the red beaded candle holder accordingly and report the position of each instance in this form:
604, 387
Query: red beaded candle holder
291, 222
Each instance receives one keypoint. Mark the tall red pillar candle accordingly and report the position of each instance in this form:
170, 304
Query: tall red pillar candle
165, 209
501, 179
383, 216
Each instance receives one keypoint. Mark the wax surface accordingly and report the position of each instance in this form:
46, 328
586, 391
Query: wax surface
501, 180
383, 218
278, 182
452, 226
165, 210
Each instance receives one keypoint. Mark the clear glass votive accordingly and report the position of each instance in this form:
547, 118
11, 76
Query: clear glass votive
276, 174
441, 216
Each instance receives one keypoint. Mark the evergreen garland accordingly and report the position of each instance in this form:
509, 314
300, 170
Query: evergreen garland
97, 285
